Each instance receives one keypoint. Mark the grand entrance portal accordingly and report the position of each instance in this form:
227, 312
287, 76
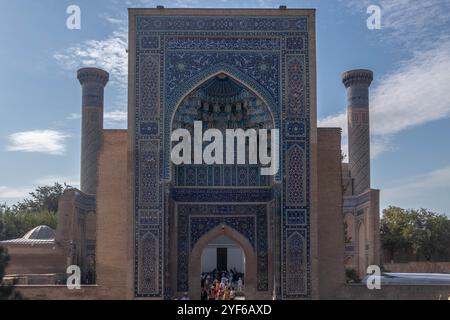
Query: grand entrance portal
231, 69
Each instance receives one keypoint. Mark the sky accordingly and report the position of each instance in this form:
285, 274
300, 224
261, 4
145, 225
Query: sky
410, 96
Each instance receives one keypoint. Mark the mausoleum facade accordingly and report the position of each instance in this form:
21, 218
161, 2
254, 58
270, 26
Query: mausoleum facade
141, 223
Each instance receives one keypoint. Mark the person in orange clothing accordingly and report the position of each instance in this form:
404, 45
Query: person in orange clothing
217, 285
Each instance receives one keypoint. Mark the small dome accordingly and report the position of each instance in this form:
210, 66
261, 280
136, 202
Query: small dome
40, 233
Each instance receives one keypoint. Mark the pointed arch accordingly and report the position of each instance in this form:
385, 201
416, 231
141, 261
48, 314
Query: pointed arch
296, 263
149, 263
196, 253
188, 87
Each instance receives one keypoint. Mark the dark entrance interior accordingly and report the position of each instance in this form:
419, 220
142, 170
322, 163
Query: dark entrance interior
222, 254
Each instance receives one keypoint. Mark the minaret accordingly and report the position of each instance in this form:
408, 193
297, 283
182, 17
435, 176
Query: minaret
93, 82
357, 83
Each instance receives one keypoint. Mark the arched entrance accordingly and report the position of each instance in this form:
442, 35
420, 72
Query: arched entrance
221, 199
220, 88
198, 249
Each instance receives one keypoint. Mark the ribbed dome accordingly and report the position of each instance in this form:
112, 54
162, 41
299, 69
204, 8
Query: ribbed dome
222, 103
222, 86
40, 233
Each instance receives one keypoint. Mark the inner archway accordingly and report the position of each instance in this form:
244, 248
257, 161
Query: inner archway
222, 268
219, 234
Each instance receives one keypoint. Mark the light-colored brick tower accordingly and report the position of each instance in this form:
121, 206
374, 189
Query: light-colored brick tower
357, 83
93, 82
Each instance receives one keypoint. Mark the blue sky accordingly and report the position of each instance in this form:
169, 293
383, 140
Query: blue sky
410, 101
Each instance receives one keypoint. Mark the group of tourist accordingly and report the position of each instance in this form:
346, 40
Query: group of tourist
223, 289
232, 275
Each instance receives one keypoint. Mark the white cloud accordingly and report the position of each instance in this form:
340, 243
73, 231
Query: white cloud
416, 92
186, 3
74, 116
415, 191
336, 121
11, 195
109, 54
116, 21
410, 22
379, 143
10, 192
415, 185
50, 180
40, 141
116, 116
413, 94
112, 119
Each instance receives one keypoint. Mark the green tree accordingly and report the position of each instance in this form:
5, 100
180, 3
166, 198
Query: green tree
43, 199
395, 230
419, 234
15, 224
432, 237
39, 209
